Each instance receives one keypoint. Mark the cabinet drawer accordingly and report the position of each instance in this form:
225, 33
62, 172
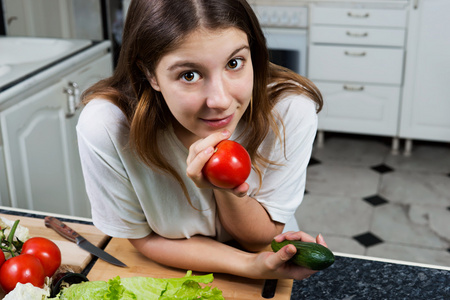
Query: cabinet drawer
357, 36
357, 64
365, 109
358, 16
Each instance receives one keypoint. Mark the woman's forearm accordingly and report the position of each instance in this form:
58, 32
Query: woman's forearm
246, 220
198, 253
204, 254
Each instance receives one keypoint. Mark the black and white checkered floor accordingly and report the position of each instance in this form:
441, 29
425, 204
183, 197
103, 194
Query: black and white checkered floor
367, 201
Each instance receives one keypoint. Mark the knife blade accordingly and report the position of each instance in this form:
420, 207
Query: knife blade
84, 244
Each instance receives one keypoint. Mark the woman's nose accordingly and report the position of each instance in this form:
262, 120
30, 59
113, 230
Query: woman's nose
218, 96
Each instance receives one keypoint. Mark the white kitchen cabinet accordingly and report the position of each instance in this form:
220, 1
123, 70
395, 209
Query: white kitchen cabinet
356, 58
4, 191
356, 64
425, 112
39, 140
359, 109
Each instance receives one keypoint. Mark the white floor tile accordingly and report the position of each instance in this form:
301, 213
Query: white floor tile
352, 152
392, 223
342, 180
334, 215
416, 188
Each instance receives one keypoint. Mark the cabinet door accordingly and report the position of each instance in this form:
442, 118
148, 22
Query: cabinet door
36, 151
41, 151
426, 94
83, 78
356, 64
364, 109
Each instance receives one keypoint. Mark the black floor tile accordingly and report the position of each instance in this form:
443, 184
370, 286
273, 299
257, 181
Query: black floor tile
375, 200
313, 162
382, 168
368, 239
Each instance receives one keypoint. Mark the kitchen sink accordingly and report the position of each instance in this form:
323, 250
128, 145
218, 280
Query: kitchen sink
21, 56
18, 50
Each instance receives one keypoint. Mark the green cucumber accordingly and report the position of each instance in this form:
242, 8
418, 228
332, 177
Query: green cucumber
309, 255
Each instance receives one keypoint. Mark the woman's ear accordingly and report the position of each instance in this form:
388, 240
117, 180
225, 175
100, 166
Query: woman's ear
150, 77
153, 82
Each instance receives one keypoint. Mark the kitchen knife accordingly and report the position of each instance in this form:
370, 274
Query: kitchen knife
73, 236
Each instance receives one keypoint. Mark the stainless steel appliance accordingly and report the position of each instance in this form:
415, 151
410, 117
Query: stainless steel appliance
285, 29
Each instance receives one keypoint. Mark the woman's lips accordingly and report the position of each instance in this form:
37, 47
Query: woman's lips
218, 123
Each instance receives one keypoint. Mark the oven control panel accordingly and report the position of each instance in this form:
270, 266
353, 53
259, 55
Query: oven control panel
282, 16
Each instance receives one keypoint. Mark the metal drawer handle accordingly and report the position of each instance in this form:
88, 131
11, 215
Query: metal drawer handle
71, 106
355, 53
353, 88
352, 34
352, 15
73, 98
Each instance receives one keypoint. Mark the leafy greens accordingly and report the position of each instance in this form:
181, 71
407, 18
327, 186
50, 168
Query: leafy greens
186, 288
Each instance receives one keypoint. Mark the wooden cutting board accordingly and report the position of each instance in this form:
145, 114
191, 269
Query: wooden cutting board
233, 287
72, 256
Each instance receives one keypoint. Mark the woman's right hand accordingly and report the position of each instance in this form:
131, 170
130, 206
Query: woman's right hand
199, 153
275, 265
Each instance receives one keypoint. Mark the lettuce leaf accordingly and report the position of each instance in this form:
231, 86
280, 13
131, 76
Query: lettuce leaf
136, 288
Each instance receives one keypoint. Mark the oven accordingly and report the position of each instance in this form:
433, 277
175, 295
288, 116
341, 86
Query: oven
286, 30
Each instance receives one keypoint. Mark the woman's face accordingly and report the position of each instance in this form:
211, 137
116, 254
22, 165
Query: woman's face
206, 82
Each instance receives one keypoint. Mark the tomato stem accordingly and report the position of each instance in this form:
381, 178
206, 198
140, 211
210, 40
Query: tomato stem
13, 231
8, 244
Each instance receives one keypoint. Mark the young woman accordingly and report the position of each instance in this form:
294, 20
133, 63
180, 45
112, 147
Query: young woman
190, 74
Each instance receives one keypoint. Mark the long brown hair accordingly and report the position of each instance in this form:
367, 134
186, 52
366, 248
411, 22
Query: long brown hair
155, 27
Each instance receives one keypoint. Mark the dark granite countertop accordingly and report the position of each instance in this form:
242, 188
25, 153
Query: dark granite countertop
354, 278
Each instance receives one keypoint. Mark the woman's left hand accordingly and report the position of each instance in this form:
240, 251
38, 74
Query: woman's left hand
275, 265
199, 153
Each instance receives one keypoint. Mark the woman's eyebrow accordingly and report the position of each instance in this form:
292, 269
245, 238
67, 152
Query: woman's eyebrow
184, 64
238, 50
193, 65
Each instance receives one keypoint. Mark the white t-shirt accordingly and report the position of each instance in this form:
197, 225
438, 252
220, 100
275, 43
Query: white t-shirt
130, 200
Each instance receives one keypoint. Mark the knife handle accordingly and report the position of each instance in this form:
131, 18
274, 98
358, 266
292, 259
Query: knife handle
61, 228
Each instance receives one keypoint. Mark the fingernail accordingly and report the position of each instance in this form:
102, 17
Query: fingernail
291, 250
209, 150
226, 132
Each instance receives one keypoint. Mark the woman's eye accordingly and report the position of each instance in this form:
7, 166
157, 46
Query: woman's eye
190, 76
235, 63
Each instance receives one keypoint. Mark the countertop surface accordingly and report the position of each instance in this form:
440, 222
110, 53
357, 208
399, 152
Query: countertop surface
350, 277
355, 278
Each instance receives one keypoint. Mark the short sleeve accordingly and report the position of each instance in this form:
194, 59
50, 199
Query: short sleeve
102, 139
283, 183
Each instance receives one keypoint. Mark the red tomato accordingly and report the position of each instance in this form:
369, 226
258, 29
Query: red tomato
46, 251
229, 166
23, 268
